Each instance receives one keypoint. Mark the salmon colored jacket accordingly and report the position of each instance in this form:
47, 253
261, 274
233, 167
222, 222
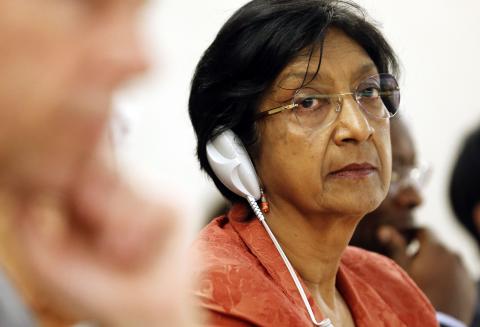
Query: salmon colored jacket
244, 282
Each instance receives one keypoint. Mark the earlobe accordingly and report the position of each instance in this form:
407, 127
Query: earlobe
476, 217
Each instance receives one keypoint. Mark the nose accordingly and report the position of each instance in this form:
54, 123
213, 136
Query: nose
352, 124
408, 197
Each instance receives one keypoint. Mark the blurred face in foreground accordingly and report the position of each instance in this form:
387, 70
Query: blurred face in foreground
71, 243
60, 63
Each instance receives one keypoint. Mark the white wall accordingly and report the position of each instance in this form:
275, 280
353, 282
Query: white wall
438, 42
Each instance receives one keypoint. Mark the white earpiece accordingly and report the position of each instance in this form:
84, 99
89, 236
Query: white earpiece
232, 165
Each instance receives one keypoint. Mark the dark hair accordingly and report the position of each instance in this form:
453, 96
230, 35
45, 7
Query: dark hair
465, 183
252, 49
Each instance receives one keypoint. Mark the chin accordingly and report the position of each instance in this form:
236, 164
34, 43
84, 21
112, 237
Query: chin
348, 198
357, 203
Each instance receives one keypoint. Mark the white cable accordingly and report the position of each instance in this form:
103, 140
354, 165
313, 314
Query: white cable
324, 323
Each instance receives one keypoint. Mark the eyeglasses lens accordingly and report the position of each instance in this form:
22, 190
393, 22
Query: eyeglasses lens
377, 95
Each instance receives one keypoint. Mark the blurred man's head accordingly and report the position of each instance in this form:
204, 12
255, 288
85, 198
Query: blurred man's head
404, 195
60, 61
465, 185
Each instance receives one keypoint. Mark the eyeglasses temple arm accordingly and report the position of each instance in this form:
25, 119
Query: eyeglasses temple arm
275, 110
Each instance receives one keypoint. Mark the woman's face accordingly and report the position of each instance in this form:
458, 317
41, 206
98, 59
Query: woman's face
342, 168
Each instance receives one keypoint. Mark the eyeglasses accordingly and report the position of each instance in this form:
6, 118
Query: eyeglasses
377, 95
403, 177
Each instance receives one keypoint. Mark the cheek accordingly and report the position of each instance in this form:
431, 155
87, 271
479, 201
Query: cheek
363, 196
290, 162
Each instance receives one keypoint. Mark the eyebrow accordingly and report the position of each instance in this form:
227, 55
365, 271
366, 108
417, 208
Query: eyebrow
309, 76
366, 68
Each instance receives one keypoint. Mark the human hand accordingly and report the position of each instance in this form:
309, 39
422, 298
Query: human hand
438, 272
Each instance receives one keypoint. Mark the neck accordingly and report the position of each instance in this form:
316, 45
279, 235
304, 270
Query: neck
314, 244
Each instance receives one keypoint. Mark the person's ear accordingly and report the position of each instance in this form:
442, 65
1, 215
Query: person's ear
476, 217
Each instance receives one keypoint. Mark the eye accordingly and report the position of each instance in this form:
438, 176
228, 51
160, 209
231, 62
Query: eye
310, 102
369, 92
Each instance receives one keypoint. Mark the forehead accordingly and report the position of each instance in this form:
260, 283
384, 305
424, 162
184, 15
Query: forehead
340, 59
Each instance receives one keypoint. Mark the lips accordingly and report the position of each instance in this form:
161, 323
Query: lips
355, 170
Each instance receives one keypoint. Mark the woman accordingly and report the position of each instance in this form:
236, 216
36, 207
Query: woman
306, 86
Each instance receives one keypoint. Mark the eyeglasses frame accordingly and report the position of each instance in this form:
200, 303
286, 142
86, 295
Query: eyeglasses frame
339, 96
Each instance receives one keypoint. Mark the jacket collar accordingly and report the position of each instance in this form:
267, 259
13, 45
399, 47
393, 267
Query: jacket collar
354, 290
259, 243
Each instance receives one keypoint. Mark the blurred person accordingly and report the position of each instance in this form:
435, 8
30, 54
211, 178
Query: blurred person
464, 191
76, 241
308, 87
391, 231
